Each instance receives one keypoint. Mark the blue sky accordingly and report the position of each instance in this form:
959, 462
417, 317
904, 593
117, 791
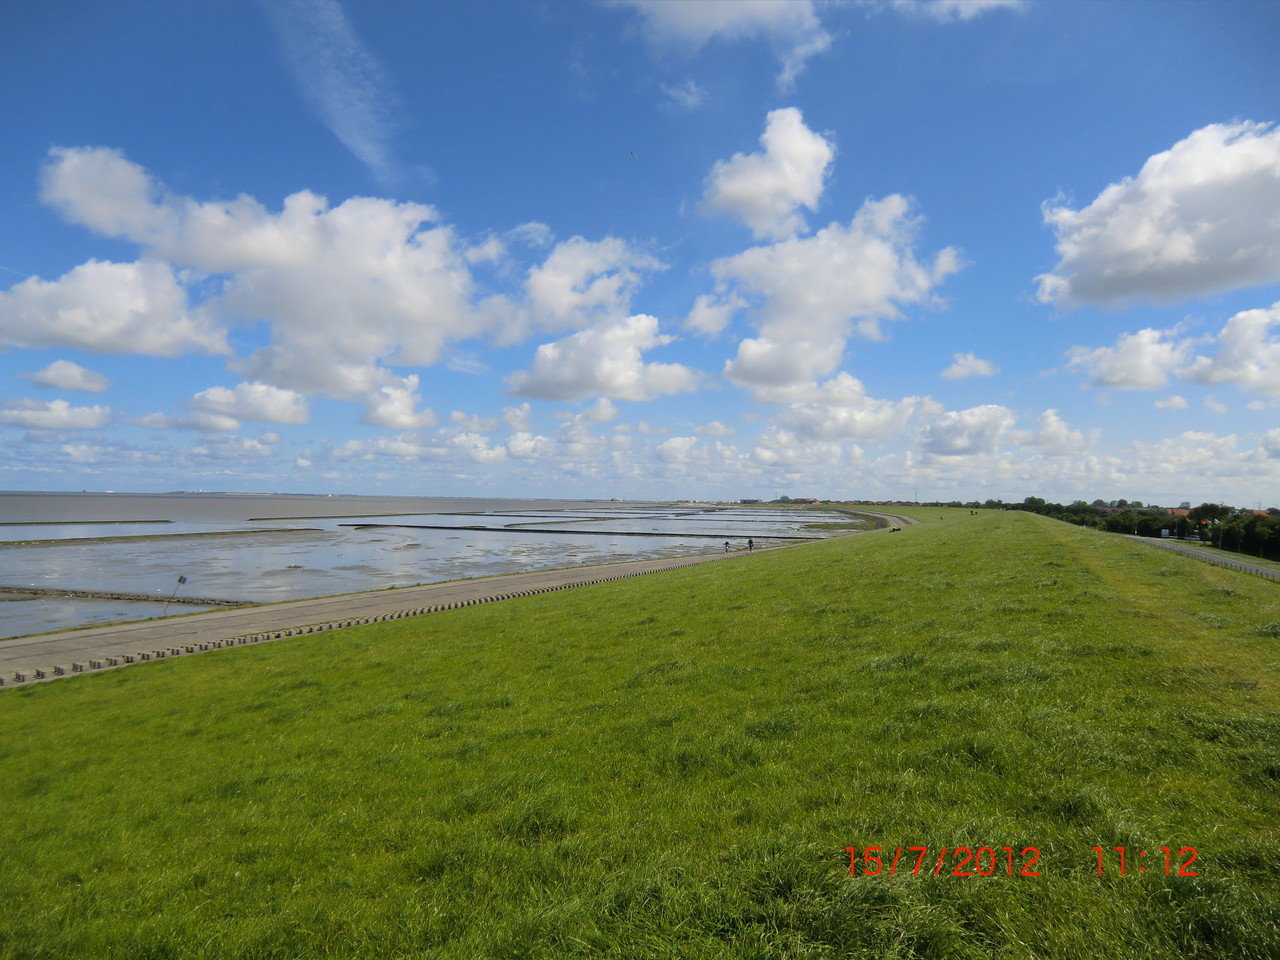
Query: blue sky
680, 249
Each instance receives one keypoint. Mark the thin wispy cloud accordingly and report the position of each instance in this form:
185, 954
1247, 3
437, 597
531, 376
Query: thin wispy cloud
346, 86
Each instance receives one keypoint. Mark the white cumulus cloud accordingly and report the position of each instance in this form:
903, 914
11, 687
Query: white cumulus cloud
781, 371
1139, 361
1271, 443
582, 281
477, 448
473, 423
605, 361
714, 429
54, 415
765, 190
223, 408
66, 375
840, 409
99, 188
519, 419
969, 365
967, 432
236, 448
342, 289
711, 314
108, 308
524, 445
1248, 355
395, 405
1198, 218
812, 292
1054, 436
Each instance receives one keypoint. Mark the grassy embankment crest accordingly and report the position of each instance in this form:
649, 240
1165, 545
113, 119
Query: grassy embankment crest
672, 767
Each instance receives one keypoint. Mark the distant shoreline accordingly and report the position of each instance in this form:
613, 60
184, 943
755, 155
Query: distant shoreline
19, 507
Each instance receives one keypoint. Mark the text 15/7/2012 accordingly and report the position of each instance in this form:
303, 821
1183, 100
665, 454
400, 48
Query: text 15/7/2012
994, 861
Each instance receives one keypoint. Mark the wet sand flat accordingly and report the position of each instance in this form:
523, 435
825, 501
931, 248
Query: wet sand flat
270, 549
136, 552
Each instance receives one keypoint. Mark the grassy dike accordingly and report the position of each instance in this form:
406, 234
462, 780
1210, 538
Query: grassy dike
673, 766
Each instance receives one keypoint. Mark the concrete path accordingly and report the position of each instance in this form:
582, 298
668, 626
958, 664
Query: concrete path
27, 660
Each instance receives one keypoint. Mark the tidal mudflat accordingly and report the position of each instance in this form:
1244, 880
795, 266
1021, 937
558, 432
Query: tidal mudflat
265, 549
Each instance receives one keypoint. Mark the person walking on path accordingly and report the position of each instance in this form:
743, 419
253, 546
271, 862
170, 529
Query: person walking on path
726, 546
751, 545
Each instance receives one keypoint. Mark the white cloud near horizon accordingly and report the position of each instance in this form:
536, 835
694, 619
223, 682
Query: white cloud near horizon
54, 415
840, 409
765, 190
1271, 443
1198, 218
342, 81
959, 433
222, 448
1054, 437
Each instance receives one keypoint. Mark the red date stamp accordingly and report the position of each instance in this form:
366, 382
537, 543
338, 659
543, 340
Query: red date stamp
1008, 861
953, 861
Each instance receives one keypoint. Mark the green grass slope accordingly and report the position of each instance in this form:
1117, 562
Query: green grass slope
673, 766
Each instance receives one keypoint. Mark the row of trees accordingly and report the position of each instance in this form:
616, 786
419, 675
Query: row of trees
1240, 531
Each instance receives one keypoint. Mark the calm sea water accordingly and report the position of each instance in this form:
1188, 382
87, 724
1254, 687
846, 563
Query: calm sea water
308, 546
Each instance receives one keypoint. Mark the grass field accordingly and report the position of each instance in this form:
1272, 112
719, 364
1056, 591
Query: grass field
674, 766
